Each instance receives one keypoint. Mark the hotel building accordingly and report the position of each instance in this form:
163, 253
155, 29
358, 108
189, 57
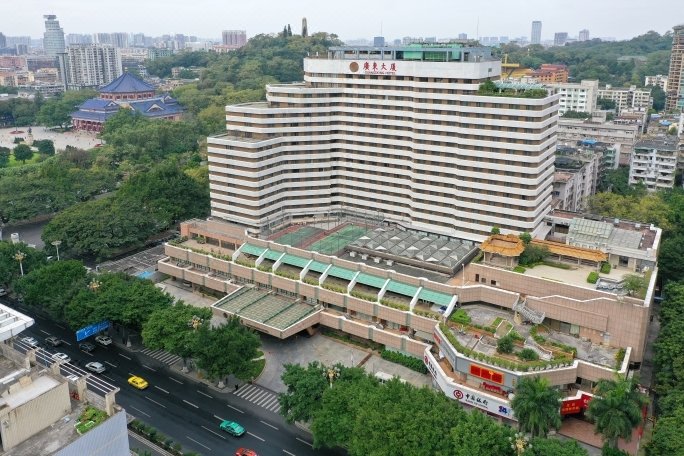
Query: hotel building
400, 132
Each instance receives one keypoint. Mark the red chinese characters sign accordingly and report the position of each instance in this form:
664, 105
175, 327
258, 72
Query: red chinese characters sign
487, 374
572, 406
387, 68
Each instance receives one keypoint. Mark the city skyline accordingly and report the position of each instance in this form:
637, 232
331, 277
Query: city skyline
621, 20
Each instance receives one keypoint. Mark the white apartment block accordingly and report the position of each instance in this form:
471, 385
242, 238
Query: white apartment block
399, 133
654, 162
659, 80
576, 177
627, 99
625, 136
91, 65
577, 97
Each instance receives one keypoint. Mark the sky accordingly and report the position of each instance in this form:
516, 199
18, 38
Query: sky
349, 19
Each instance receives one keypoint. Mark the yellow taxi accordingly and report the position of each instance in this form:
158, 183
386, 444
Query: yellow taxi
138, 382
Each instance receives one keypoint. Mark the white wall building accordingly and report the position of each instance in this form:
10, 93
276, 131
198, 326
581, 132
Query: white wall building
627, 99
580, 97
399, 133
654, 162
91, 65
573, 130
659, 80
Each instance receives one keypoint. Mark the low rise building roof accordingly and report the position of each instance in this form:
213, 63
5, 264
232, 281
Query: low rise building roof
508, 245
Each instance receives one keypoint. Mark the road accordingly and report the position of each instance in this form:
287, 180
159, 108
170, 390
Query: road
178, 407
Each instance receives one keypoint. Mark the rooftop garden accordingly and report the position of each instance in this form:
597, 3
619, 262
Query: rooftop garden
490, 89
90, 418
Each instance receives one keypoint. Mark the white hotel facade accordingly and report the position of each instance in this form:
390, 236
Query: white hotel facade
400, 132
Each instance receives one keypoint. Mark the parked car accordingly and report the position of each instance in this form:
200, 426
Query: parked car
86, 347
54, 341
103, 340
3, 292
232, 428
31, 341
61, 357
96, 367
245, 452
138, 382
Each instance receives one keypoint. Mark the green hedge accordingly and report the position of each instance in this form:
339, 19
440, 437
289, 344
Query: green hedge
593, 277
461, 317
519, 269
605, 268
364, 296
412, 363
528, 354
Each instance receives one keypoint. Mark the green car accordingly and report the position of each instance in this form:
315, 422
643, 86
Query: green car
232, 428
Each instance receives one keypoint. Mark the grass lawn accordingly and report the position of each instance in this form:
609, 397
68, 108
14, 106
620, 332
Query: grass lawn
13, 162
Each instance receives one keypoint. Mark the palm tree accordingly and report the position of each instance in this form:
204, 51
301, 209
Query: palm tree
537, 406
616, 409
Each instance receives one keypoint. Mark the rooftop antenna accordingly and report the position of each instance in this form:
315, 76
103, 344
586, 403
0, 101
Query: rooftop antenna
477, 29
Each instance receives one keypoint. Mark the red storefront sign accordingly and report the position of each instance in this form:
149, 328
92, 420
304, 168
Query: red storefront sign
487, 374
577, 405
493, 388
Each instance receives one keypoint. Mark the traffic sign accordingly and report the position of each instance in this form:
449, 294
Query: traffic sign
91, 330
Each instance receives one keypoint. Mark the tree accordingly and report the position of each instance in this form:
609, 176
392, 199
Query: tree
495, 230
555, 447
533, 254
635, 284
45, 146
526, 238
305, 388
505, 344
605, 103
537, 406
23, 152
659, 97
228, 349
9, 266
478, 434
616, 409
175, 329
4, 156
668, 438
51, 287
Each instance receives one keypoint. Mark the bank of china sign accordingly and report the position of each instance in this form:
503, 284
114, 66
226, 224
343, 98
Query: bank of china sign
369, 67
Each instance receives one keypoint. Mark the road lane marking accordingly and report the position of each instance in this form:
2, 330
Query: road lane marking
148, 367
177, 381
190, 403
113, 365
124, 356
65, 342
59, 326
149, 416
201, 444
87, 353
287, 452
44, 332
270, 425
161, 405
215, 433
257, 437
205, 394
219, 418
108, 377
236, 409
161, 389
304, 441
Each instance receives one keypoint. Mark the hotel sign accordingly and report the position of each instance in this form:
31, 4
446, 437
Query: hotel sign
374, 67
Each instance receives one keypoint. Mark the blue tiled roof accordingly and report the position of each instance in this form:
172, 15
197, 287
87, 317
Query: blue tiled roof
92, 115
155, 107
127, 83
99, 104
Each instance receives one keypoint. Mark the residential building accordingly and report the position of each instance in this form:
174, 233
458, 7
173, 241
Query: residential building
571, 131
461, 36
657, 80
579, 97
627, 98
549, 74
576, 177
675, 93
3, 41
535, 36
235, 39
91, 65
78, 38
13, 62
583, 35
654, 162
129, 92
157, 53
379, 41
560, 38
343, 141
53, 38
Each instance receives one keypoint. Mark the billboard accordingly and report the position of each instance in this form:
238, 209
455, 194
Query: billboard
91, 330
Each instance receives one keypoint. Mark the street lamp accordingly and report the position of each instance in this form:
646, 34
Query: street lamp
19, 256
56, 244
331, 373
520, 443
94, 285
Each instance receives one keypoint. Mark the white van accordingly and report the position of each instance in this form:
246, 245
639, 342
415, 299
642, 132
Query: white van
384, 377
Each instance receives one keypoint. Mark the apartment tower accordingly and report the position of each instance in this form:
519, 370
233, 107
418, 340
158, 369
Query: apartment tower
396, 132
90, 65
675, 80
53, 38
535, 38
234, 38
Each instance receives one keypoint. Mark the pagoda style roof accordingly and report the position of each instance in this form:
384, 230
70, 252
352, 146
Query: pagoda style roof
508, 245
127, 83
582, 253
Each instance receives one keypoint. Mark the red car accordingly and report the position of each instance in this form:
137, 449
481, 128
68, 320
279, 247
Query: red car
245, 452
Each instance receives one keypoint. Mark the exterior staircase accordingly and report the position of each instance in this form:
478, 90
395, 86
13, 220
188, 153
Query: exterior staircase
532, 315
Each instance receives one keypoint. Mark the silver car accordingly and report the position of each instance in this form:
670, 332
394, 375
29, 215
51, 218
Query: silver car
96, 367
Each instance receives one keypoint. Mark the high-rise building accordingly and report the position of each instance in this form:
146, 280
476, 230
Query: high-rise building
234, 38
378, 41
53, 38
120, 40
333, 145
535, 37
462, 36
3, 41
583, 35
560, 38
78, 38
675, 80
90, 65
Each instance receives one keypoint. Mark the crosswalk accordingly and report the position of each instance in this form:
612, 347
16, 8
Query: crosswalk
260, 397
161, 355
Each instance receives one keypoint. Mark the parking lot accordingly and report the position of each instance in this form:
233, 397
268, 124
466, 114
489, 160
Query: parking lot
142, 264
